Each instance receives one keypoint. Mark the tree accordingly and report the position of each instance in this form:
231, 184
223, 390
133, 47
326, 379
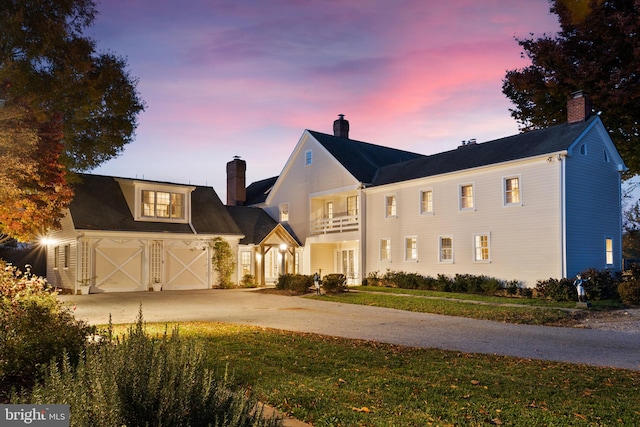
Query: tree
77, 107
223, 262
597, 51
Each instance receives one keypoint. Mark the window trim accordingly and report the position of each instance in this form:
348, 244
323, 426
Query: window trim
56, 257
308, 158
388, 250
608, 252
473, 197
475, 248
406, 248
421, 204
67, 256
504, 190
442, 260
283, 212
394, 206
141, 186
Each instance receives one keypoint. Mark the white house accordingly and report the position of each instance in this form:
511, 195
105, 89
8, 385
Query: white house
527, 207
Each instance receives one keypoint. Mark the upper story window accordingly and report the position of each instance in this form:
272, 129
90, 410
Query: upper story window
466, 197
606, 156
352, 205
426, 201
308, 158
284, 212
329, 210
163, 204
583, 149
390, 206
512, 191
608, 251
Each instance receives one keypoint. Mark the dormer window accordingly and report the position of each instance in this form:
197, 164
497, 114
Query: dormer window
163, 204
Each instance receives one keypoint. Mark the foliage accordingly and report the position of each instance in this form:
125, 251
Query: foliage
33, 182
631, 229
66, 108
556, 289
596, 51
334, 283
330, 381
223, 260
629, 287
248, 281
601, 284
296, 283
141, 380
34, 329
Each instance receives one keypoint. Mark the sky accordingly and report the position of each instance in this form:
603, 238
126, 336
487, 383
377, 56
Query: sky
225, 78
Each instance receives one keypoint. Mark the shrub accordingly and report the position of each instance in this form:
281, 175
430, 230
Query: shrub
34, 329
140, 381
601, 284
223, 262
629, 287
556, 290
248, 281
296, 283
334, 283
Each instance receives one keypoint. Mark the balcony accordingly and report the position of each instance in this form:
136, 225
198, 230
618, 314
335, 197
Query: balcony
338, 224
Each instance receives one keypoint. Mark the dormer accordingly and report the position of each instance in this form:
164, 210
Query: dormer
157, 202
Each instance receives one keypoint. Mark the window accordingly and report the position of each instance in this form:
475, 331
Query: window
162, 204
390, 203
308, 158
512, 191
155, 261
329, 212
385, 249
84, 262
446, 249
426, 201
608, 251
466, 196
56, 257
481, 247
67, 255
284, 212
606, 156
245, 262
583, 149
411, 248
352, 205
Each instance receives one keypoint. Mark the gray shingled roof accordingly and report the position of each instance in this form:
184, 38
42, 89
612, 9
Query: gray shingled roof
258, 191
254, 223
362, 159
544, 141
98, 204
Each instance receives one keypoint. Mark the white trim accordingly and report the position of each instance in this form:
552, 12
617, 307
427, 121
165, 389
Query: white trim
406, 252
505, 178
475, 248
420, 194
473, 197
395, 206
440, 259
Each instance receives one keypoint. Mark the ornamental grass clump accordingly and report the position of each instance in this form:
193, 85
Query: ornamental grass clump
140, 380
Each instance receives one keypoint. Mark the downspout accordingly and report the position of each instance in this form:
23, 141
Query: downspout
362, 232
563, 215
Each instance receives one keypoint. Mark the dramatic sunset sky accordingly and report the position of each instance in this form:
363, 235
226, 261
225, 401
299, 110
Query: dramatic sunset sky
245, 77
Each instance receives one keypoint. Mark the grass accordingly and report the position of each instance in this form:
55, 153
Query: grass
340, 382
453, 307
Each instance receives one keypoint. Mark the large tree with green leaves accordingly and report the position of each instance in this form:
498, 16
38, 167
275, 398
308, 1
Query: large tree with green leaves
597, 51
80, 104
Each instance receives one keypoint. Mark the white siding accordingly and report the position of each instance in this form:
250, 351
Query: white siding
525, 239
62, 277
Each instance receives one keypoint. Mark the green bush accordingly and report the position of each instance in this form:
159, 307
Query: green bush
248, 281
601, 284
145, 381
556, 290
34, 329
629, 287
334, 283
296, 283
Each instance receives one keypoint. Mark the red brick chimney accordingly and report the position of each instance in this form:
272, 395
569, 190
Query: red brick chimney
578, 108
341, 127
236, 182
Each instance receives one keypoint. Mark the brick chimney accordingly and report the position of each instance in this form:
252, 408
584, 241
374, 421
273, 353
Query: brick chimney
578, 108
236, 182
341, 127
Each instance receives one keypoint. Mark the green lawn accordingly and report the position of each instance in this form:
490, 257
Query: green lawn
340, 382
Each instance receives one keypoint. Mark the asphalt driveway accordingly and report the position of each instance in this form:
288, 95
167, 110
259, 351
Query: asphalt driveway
585, 346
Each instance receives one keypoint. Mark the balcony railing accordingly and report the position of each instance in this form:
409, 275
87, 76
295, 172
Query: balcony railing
337, 224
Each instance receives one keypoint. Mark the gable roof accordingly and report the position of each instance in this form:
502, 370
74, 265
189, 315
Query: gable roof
258, 191
99, 204
529, 144
254, 223
362, 159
